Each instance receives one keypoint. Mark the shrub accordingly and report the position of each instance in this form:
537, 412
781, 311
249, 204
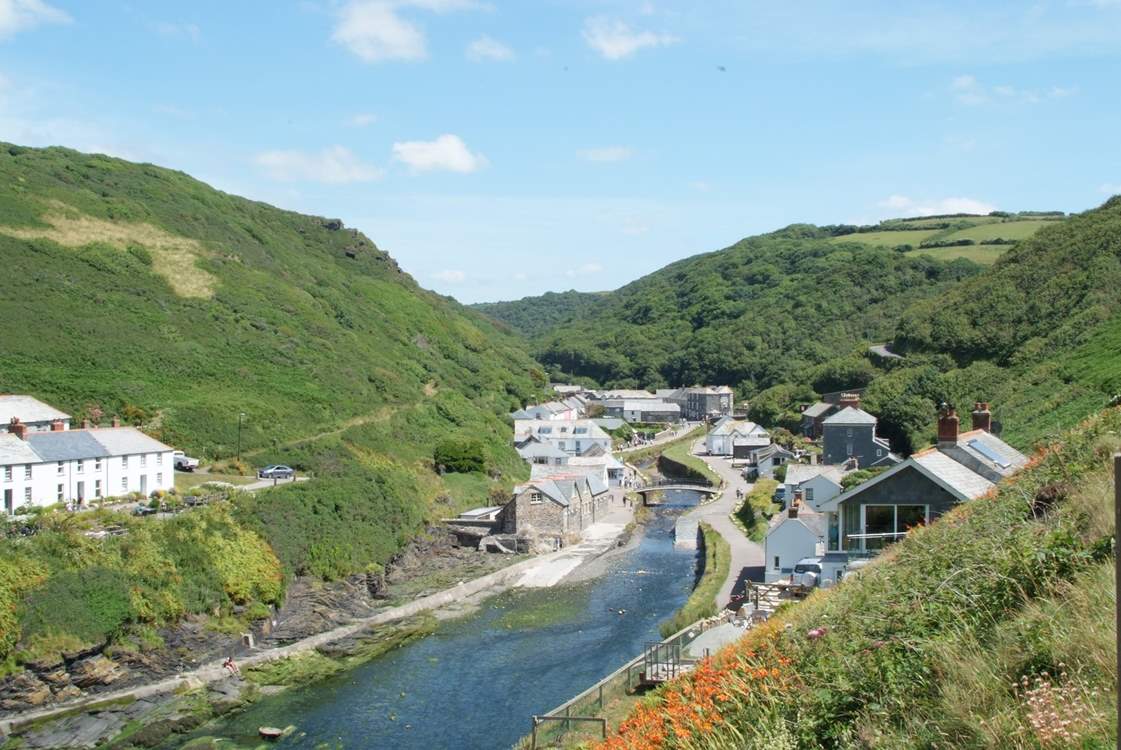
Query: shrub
460, 456
88, 604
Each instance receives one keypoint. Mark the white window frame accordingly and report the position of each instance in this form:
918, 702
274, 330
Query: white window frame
61, 469
143, 460
27, 471
97, 488
97, 464
535, 498
79, 466
26, 495
7, 473
159, 477
894, 519
60, 496
124, 463
124, 484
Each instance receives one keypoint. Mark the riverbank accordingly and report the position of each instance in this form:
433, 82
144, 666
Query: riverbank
324, 615
716, 561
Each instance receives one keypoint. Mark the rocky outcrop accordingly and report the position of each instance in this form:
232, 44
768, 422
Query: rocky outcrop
23, 690
95, 670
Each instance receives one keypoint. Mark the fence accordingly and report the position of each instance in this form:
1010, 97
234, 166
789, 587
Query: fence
588, 715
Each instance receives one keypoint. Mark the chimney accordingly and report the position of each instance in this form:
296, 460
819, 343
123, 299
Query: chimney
947, 425
56, 426
982, 417
849, 399
85, 424
792, 511
18, 428
116, 421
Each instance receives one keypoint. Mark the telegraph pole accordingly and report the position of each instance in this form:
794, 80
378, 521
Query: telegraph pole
1117, 564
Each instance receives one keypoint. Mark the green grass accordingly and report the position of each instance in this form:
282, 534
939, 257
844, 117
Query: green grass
1007, 230
984, 255
702, 602
755, 512
678, 461
186, 480
653, 451
888, 238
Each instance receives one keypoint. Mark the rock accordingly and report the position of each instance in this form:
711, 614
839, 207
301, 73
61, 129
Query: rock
333, 225
67, 692
79, 731
56, 678
22, 691
96, 670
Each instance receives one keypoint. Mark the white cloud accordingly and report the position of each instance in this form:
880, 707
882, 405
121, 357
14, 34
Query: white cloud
1110, 188
901, 204
700, 186
361, 120
184, 30
20, 15
967, 90
614, 39
487, 48
375, 30
587, 269
448, 152
335, 164
605, 154
450, 276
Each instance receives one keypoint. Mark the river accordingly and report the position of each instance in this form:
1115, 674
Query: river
476, 681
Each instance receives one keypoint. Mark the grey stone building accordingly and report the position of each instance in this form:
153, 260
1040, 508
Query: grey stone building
560, 506
850, 434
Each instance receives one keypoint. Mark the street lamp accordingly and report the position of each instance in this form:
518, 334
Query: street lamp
240, 417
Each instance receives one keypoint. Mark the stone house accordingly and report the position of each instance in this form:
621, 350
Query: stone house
850, 434
559, 505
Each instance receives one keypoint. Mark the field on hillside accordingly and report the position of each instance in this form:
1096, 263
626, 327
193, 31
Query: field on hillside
984, 255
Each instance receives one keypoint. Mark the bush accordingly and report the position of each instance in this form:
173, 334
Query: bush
461, 456
88, 604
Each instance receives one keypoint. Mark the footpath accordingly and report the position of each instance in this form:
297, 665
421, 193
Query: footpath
718, 514
537, 572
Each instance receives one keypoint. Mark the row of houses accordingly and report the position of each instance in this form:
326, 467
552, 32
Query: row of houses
694, 403
44, 461
840, 526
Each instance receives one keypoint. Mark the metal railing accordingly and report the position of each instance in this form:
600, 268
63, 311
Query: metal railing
566, 724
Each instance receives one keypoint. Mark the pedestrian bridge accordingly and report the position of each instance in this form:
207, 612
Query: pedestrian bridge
674, 484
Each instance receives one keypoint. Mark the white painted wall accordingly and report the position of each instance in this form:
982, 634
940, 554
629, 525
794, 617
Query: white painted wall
50, 481
790, 541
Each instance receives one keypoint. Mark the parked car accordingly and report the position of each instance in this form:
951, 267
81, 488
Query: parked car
807, 573
183, 462
276, 471
143, 509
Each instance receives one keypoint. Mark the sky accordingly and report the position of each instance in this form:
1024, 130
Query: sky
503, 149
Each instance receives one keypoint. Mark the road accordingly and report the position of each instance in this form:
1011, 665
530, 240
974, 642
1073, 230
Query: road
718, 514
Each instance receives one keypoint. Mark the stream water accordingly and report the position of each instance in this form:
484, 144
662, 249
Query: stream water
476, 681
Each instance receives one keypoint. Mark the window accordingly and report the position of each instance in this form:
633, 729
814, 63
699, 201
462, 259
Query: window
159, 478
848, 432
97, 488
7, 473
834, 540
61, 493
79, 465
159, 459
124, 484
27, 494
61, 468
97, 464
879, 520
27, 472
808, 494
124, 462
143, 460
879, 451
882, 525
848, 449
777, 566
561, 445
535, 498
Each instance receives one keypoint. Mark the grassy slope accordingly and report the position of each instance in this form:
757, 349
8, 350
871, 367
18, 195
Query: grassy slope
758, 313
191, 305
702, 602
924, 647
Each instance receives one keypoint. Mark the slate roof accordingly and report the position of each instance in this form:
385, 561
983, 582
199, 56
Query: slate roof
67, 445
15, 451
125, 440
962, 482
537, 449
850, 415
818, 409
28, 409
798, 473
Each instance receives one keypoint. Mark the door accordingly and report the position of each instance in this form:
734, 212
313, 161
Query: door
143, 484
81, 492
9, 503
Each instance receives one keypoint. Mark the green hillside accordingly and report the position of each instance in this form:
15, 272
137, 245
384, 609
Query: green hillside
135, 290
1037, 334
764, 311
981, 239
535, 316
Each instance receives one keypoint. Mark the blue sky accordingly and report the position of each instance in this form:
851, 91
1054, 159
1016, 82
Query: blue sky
502, 149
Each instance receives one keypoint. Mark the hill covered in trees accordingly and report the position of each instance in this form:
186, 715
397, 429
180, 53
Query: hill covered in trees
135, 290
535, 316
